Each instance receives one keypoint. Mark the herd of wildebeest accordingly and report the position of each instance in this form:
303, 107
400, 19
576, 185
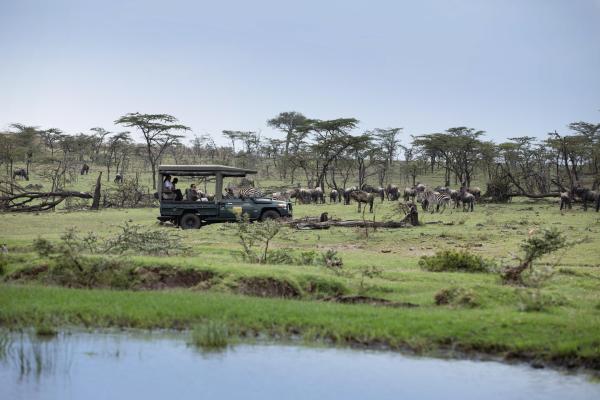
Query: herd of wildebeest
432, 200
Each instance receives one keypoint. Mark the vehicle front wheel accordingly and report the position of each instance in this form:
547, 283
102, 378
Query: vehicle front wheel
190, 221
270, 214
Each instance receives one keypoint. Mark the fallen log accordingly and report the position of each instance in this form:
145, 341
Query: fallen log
307, 225
23, 202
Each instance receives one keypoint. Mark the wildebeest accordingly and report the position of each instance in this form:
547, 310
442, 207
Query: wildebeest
334, 196
118, 178
420, 187
21, 172
304, 196
455, 197
586, 195
347, 192
362, 197
379, 191
409, 194
468, 201
85, 169
475, 191
317, 196
392, 192
565, 200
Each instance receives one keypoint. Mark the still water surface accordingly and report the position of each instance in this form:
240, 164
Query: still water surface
158, 366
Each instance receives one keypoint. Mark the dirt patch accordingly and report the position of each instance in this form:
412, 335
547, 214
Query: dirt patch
27, 273
373, 301
156, 278
267, 287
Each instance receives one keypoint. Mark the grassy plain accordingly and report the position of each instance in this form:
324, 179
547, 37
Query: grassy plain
565, 331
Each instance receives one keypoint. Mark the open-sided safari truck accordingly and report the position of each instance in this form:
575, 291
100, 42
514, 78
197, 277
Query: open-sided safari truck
193, 214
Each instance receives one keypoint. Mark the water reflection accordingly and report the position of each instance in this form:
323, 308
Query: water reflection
153, 366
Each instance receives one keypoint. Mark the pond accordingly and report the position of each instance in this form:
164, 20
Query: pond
160, 366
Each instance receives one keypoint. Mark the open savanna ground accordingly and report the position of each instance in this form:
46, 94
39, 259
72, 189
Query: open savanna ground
556, 319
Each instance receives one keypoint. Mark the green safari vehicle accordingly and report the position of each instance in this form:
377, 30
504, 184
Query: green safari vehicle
190, 214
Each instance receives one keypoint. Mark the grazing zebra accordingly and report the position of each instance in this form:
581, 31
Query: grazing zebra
429, 198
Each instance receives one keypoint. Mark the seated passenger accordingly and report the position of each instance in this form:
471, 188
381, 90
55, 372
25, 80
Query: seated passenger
167, 188
178, 195
192, 194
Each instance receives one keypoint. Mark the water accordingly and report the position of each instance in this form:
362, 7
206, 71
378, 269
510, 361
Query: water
159, 366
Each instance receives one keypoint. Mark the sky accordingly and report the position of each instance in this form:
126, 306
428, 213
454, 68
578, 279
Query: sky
508, 67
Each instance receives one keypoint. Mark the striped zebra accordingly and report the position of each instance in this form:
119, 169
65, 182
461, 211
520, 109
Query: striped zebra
429, 198
250, 193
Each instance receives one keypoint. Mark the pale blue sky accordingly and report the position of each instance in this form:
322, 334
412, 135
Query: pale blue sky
509, 67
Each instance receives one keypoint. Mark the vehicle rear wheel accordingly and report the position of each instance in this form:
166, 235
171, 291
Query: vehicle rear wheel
190, 221
270, 214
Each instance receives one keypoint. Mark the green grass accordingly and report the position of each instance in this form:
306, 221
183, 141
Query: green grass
564, 329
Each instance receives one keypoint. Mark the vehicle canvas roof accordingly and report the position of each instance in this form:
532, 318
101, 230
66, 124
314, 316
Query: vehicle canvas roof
204, 170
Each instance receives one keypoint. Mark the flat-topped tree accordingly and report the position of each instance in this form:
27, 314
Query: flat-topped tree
157, 130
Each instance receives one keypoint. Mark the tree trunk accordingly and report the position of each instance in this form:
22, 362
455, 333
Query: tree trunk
96, 201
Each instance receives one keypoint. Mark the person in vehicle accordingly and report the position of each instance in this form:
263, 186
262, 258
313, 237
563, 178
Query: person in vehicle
178, 195
167, 184
192, 193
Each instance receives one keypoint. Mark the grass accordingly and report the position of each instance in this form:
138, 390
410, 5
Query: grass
212, 335
565, 328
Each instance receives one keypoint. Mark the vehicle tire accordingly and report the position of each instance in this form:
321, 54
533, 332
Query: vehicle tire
190, 221
269, 214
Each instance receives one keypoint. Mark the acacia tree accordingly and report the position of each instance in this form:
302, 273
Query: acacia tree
459, 148
293, 125
332, 138
157, 131
388, 141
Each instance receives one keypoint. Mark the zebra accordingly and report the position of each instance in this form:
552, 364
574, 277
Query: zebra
430, 198
249, 193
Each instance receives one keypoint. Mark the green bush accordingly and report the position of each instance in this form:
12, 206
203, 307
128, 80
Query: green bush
456, 296
455, 261
534, 300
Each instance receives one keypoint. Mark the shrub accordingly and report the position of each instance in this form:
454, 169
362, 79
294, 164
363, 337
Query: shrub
534, 300
534, 247
255, 238
456, 296
281, 256
139, 239
331, 259
455, 261
210, 335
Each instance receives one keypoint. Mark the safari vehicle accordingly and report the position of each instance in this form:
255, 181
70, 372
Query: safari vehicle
193, 214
